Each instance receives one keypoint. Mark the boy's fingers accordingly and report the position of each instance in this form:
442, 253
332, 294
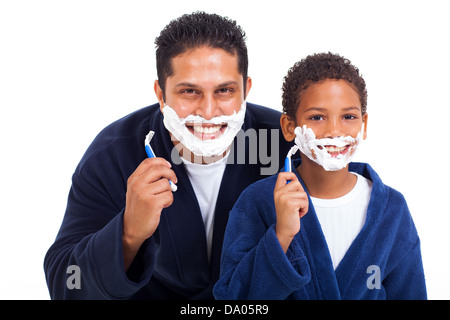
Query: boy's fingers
284, 177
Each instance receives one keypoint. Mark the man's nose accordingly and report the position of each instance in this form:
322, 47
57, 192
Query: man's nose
208, 108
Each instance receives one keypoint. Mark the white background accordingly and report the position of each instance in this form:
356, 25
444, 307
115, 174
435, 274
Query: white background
69, 68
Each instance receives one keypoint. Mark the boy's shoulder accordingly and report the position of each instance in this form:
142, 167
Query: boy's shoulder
389, 204
368, 172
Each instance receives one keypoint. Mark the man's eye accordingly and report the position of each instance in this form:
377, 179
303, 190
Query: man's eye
224, 90
189, 91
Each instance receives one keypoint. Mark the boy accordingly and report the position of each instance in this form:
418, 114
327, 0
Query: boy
356, 238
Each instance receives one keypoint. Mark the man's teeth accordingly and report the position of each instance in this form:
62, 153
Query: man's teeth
206, 130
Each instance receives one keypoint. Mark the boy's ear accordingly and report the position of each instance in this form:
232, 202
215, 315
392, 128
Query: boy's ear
365, 117
288, 127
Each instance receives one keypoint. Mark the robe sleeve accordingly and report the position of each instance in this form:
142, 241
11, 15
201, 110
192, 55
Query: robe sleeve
407, 280
90, 238
254, 266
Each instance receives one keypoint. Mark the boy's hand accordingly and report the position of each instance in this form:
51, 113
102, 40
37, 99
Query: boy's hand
291, 203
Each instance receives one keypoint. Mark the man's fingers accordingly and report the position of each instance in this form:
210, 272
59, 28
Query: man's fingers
148, 163
146, 174
159, 186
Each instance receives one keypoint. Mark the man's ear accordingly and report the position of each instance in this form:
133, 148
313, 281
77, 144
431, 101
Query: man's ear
365, 117
159, 94
288, 127
248, 86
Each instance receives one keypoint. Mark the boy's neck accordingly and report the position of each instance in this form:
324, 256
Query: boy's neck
325, 184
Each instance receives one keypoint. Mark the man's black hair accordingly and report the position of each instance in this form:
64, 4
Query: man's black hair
196, 30
316, 68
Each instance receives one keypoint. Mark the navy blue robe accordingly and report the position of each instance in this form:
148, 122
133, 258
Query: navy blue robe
383, 262
173, 263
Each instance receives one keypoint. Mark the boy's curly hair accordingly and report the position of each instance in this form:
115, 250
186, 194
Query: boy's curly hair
316, 68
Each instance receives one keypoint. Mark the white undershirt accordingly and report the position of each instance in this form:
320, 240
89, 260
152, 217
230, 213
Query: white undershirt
205, 180
342, 218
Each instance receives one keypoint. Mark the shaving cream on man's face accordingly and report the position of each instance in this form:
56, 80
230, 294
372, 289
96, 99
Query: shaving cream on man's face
332, 154
220, 136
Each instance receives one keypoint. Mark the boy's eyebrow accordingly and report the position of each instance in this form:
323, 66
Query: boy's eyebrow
316, 109
324, 109
352, 108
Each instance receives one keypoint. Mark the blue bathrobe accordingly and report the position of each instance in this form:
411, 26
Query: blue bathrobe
173, 263
383, 262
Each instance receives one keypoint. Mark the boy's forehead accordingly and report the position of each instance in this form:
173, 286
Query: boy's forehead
328, 94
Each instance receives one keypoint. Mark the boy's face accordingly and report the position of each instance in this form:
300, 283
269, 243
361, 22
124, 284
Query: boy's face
331, 108
206, 82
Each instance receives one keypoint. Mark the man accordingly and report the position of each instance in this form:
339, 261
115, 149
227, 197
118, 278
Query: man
125, 233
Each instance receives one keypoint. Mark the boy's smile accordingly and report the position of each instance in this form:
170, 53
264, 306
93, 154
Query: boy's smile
331, 108
335, 151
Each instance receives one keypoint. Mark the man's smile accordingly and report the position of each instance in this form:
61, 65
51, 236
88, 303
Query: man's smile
206, 131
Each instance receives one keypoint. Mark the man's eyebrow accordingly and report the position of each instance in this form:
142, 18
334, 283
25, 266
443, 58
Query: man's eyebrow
228, 83
186, 84
193, 85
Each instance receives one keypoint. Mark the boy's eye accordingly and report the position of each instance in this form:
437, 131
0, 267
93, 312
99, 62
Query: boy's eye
316, 118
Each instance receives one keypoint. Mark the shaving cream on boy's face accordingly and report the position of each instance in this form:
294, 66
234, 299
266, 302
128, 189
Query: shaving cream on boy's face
217, 138
332, 154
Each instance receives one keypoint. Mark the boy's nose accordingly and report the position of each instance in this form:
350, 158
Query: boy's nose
333, 129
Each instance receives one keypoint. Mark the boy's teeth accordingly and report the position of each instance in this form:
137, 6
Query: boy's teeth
335, 149
206, 130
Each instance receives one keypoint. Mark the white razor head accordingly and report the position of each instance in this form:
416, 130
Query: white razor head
293, 150
149, 137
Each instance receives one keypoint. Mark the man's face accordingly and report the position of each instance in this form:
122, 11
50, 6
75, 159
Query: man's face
205, 82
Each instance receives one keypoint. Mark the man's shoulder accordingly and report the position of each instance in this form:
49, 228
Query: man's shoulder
123, 135
129, 124
263, 117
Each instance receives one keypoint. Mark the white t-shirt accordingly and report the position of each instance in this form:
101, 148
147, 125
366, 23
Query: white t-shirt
205, 180
342, 218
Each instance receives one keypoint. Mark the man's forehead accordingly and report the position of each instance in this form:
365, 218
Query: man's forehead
214, 66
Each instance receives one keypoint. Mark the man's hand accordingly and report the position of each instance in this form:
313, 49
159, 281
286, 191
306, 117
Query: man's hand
148, 192
291, 203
